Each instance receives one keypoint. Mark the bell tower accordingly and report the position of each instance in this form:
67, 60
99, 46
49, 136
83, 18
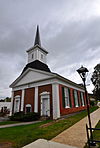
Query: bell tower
37, 52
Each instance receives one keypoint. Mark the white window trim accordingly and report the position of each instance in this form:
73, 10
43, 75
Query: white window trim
17, 98
76, 98
66, 97
47, 96
28, 105
82, 99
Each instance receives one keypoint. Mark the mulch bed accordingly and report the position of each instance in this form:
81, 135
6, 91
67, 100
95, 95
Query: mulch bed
5, 145
48, 124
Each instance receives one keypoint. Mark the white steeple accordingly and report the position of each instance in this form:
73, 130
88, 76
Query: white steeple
37, 52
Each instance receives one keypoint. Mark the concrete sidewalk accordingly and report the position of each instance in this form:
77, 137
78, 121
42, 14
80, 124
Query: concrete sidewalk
76, 134
42, 143
18, 124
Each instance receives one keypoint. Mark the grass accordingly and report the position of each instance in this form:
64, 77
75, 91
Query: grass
96, 135
8, 122
22, 135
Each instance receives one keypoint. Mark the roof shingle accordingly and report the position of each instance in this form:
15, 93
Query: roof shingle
37, 65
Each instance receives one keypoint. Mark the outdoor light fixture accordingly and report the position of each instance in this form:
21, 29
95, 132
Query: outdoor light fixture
83, 72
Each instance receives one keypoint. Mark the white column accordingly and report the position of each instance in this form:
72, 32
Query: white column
22, 100
11, 106
55, 100
36, 100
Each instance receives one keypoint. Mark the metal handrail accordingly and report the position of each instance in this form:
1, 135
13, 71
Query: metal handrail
89, 139
94, 128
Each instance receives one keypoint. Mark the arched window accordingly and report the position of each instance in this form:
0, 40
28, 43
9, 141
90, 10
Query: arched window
28, 108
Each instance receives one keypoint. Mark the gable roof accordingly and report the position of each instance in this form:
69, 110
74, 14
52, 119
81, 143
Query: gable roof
43, 75
67, 80
50, 75
37, 65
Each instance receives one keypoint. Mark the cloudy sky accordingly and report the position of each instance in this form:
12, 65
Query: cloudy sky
69, 30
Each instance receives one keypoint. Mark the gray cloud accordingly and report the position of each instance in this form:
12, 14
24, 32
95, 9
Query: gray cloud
69, 31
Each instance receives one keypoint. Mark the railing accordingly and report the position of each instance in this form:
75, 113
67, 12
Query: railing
91, 142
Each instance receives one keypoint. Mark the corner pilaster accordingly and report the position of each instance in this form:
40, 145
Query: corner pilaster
12, 99
55, 98
22, 100
36, 100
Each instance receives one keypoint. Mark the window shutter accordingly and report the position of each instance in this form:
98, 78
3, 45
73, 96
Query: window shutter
69, 98
63, 97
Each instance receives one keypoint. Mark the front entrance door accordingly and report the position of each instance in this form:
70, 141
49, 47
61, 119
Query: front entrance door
45, 107
45, 104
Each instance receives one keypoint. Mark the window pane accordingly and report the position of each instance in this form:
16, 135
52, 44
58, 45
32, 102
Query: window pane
76, 98
82, 98
66, 92
63, 97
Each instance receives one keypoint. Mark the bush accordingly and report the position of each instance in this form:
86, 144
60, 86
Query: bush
92, 103
20, 116
2, 114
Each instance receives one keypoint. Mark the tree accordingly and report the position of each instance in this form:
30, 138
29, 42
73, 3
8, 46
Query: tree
96, 81
7, 99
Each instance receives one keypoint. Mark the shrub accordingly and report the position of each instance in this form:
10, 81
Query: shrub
92, 103
20, 116
2, 114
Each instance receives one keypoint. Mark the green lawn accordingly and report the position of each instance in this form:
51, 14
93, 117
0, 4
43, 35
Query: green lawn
96, 133
8, 122
22, 135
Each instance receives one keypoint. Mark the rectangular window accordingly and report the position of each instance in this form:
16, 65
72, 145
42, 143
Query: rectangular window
32, 56
66, 97
76, 98
82, 98
41, 56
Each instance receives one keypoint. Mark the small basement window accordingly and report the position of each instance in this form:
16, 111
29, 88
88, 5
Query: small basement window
28, 108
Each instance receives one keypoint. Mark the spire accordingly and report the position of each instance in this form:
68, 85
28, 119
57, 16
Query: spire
37, 37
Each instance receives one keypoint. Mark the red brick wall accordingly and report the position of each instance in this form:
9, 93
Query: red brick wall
64, 111
29, 97
18, 92
44, 88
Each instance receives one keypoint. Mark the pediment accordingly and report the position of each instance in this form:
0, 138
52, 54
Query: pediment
30, 76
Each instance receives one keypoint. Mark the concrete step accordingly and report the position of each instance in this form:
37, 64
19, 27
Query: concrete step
42, 143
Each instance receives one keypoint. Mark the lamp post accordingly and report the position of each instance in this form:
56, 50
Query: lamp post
82, 72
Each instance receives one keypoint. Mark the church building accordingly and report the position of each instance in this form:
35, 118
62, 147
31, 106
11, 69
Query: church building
39, 90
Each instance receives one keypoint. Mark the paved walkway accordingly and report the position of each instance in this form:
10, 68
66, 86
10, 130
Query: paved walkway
42, 143
76, 134
18, 124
